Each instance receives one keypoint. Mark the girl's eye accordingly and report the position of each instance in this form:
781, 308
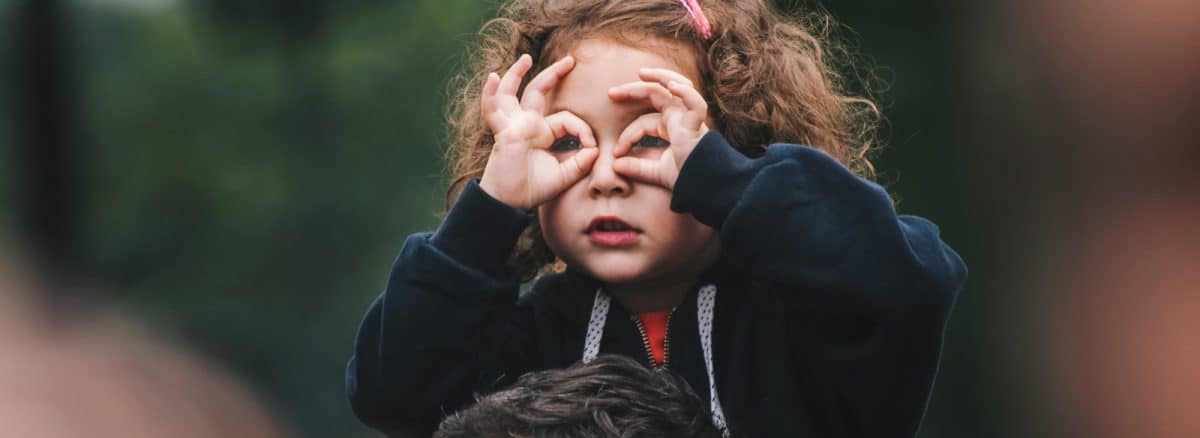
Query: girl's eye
566, 144
651, 141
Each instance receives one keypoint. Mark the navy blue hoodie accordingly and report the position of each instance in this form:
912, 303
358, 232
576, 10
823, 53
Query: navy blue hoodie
829, 316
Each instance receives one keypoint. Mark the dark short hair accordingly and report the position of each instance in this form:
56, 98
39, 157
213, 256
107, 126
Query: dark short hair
611, 396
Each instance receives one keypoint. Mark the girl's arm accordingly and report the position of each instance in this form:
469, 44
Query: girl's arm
866, 292
446, 326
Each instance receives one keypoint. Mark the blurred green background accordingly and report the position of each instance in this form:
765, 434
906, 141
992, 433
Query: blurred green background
240, 174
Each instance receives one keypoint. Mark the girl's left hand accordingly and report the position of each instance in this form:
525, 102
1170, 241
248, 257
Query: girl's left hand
679, 120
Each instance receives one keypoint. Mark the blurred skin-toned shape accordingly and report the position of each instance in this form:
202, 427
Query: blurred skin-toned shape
1123, 349
69, 373
1111, 205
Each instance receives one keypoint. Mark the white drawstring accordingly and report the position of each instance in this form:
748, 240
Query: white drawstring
591, 345
704, 314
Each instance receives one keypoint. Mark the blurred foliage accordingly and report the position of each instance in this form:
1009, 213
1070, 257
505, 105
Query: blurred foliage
254, 166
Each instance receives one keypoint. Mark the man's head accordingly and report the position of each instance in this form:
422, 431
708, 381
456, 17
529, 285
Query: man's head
611, 396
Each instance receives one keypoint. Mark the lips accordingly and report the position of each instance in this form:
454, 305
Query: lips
611, 231
609, 223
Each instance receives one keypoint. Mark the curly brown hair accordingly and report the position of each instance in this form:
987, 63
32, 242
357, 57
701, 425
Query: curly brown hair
611, 396
767, 78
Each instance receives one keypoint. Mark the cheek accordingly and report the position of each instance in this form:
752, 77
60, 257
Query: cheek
696, 232
683, 229
692, 233
549, 217
545, 217
559, 217
697, 239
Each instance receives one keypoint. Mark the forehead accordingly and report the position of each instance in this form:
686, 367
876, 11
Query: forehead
600, 65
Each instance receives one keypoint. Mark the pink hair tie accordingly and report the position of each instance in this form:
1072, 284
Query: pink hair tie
702, 25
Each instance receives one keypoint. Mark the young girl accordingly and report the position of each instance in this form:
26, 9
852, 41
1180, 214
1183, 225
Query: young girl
619, 149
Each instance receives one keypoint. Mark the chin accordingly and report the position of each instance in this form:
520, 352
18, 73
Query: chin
616, 270
617, 277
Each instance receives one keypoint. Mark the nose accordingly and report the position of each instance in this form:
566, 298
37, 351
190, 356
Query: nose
603, 180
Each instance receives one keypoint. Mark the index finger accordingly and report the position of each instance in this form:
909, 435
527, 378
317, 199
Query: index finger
545, 81
512, 78
683, 88
664, 76
659, 96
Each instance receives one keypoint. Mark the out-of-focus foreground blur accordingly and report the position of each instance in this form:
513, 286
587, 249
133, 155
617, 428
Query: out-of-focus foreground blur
200, 198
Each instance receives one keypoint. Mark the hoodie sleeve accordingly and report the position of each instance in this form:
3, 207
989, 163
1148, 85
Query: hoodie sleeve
431, 338
865, 292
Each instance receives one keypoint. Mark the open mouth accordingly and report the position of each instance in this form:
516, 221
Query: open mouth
612, 231
609, 224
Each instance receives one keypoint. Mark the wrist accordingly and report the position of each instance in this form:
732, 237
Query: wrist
682, 154
712, 180
480, 231
497, 191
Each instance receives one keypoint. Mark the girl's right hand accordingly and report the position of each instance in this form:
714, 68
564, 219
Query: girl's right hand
522, 171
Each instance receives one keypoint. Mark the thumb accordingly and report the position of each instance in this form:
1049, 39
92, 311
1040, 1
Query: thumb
574, 168
648, 171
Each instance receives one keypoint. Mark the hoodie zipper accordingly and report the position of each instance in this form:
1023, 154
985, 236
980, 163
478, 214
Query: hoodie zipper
666, 341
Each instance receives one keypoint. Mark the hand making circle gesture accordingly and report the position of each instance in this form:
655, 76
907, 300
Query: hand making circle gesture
679, 120
521, 170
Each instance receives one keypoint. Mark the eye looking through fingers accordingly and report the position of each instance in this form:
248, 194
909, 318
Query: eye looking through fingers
570, 134
567, 143
651, 141
649, 146
644, 135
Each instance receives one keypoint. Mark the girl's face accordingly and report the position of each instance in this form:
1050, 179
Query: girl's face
619, 230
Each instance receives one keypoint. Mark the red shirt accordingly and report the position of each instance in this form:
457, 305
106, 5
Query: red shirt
655, 324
